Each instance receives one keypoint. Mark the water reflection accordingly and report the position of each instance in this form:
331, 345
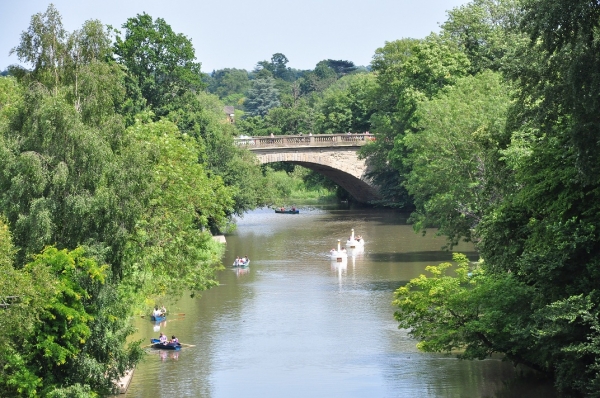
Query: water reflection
239, 271
171, 355
158, 325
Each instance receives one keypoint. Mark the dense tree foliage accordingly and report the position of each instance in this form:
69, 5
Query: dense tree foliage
261, 97
346, 105
230, 85
486, 31
531, 190
114, 163
161, 61
101, 215
453, 156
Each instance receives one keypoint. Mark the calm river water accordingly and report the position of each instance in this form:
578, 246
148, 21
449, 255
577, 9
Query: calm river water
294, 324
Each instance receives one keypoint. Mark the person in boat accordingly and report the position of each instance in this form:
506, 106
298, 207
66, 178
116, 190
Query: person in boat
162, 338
283, 209
293, 208
157, 312
245, 260
163, 310
237, 261
174, 340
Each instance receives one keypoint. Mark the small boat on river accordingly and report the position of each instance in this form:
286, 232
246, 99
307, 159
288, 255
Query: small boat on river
168, 346
355, 243
241, 262
158, 318
287, 211
340, 255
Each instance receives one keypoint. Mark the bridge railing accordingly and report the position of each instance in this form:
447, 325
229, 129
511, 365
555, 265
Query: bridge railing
305, 140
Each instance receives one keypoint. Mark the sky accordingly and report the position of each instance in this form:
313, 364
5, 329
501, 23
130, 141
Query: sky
240, 33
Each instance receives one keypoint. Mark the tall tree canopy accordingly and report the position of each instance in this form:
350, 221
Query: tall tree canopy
95, 209
454, 155
538, 233
261, 97
162, 61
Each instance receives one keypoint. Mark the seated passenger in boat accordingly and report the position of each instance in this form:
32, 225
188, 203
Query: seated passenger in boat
162, 339
174, 340
157, 312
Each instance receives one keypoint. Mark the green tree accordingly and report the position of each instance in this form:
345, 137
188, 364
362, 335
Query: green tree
161, 61
454, 156
170, 249
559, 72
11, 95
64, 324
276, 68
408, 71
486, 31
72, 176
226, 82
201, 116
280, 70
27, 293
293, 117
261, 97
319, 79
465, 312
346, 105
44, 46
341, 67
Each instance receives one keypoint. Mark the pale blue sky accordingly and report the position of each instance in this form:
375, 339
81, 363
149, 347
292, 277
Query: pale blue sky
240, 33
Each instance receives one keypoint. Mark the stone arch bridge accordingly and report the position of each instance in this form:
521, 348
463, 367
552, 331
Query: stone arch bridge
333, 155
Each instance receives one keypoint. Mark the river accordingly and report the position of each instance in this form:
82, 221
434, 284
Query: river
294, 324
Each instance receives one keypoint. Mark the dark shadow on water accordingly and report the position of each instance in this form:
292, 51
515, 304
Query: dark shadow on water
381, 216
383, 286
433, 257
528, 384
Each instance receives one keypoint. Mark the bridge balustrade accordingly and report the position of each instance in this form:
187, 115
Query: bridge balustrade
305, 140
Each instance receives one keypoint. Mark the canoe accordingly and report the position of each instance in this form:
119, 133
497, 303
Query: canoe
287, 211
158, 318
169, 346
241, 264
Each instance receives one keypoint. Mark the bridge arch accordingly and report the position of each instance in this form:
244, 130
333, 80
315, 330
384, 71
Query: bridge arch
334, 156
